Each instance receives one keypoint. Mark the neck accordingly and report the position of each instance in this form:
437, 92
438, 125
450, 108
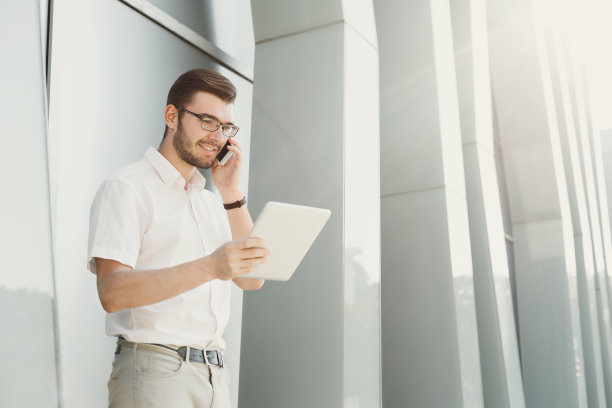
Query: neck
168, 151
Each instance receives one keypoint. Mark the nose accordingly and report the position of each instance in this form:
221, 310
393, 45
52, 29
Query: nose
218, 134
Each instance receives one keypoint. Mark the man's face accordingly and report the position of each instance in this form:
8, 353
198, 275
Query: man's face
195, 145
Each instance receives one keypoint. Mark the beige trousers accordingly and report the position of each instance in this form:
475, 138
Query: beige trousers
146, 378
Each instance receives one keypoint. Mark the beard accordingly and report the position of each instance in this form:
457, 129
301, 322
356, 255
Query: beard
187, 152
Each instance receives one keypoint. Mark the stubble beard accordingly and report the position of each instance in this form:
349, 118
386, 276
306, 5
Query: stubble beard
186, 151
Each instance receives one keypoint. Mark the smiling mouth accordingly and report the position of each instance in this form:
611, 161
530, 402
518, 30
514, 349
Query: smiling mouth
208, 148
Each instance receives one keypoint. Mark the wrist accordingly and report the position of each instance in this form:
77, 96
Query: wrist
230, 196
205, 269
235, 204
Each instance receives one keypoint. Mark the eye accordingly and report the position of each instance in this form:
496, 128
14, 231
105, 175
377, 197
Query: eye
210, 122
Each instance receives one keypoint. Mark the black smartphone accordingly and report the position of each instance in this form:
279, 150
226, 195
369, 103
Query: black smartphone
225, 154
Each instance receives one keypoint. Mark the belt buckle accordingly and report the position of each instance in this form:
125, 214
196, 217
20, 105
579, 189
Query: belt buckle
220, 359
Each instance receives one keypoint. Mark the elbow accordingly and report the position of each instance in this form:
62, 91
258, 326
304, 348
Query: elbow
108, 305
107, 300
248, 283
257, 284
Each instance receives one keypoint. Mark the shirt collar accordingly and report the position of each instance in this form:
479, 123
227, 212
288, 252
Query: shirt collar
169, 174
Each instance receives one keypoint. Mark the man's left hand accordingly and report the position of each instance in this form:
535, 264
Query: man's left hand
227, 177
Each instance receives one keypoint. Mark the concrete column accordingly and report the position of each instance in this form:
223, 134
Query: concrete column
584, 148
548, 312
314, 341
429, 337
588, 289
603, 275
605, 136
499, 356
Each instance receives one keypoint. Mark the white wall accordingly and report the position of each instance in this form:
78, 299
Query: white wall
27, 345
111, 71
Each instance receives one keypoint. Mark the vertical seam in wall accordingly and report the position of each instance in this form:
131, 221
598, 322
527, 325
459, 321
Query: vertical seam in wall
48, 49
344, 184
45, 73
380, 346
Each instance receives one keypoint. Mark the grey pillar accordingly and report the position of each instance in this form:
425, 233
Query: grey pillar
429, 336
594, 360
602, 264
499, 356
594, 142
605, 138
548, 313
314, 341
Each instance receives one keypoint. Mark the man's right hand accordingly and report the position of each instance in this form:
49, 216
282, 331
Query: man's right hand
236, 258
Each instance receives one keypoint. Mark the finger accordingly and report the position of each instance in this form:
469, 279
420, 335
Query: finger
235, 146
249, 242
235, 143
249, 264
252, 253
253, 242
237, 153
237, 245
242, 271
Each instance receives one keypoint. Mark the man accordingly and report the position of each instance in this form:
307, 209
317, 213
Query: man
161, 246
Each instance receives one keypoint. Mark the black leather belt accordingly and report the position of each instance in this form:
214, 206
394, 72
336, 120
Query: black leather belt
201, 356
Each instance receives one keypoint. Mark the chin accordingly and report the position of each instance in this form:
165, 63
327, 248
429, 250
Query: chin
205, 165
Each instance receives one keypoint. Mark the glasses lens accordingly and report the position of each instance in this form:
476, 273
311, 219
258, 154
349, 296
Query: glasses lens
229, 130
210, 124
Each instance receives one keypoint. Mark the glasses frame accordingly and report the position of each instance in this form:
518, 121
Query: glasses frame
219, 124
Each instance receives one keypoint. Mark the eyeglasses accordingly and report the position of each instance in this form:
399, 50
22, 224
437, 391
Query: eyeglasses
212, 125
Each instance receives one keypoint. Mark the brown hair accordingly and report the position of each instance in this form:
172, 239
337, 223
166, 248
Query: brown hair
200, 80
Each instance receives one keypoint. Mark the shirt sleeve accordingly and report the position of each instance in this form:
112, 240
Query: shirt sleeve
116, 224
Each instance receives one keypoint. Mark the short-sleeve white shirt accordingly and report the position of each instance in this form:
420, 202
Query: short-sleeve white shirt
143, 217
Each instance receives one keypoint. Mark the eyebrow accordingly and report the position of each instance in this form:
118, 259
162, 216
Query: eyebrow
208, 115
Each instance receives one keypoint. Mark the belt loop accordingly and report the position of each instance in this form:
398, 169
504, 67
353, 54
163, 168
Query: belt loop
134, 347
188, 354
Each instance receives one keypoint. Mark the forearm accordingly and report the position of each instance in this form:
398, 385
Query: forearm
133, 288
240, 220
241, 225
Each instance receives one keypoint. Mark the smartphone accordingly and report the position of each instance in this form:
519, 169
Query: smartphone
225, 154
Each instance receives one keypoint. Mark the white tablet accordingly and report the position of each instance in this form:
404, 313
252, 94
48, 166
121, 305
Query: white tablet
288, 231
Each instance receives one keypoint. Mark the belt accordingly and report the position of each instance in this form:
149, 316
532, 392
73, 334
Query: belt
209, 357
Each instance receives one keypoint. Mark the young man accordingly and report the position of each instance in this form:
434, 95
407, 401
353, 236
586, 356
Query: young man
161, 247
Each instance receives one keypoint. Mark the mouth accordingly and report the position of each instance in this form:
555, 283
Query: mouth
208, 148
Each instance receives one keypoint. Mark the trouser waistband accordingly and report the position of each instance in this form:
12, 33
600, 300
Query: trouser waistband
208, 357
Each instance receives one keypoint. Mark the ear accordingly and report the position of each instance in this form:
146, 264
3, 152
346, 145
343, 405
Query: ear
171, 115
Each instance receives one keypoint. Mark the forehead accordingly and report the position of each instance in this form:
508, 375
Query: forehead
204, 102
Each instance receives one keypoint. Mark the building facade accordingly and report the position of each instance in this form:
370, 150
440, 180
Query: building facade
468, 257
